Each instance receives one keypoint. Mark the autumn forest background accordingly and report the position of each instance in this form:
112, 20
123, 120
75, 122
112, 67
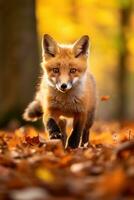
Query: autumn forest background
110, 25
32, 167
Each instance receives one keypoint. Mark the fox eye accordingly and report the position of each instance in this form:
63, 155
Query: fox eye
56, 70
72, 70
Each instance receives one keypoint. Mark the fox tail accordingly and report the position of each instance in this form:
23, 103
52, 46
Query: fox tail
33, 112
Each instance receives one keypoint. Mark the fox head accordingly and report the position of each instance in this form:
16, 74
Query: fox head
64, 65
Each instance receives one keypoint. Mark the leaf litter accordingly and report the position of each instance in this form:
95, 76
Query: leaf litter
33, 168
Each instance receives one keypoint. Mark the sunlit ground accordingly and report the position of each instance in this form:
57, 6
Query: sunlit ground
105, 133
33, 167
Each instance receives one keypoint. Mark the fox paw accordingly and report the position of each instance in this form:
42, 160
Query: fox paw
56, 135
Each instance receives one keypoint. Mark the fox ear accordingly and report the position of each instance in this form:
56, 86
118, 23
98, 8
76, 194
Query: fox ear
81, 46
49, 46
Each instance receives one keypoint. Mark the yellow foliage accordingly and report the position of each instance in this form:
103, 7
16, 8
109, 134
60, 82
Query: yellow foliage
45, 175
67, 20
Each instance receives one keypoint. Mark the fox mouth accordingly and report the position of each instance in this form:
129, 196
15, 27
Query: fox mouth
63, 91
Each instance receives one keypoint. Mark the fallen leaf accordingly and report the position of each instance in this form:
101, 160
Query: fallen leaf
105, 98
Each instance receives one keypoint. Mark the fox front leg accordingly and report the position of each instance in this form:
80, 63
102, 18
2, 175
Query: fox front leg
51, 125
78, 128
86, 131
62, 124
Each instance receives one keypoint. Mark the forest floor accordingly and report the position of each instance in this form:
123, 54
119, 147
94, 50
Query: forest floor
32, 168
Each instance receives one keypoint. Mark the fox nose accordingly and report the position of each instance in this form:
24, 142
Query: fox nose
63, 86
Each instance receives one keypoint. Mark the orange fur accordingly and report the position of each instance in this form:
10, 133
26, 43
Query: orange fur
67, 64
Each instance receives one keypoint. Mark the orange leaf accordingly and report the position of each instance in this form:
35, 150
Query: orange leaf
105, 98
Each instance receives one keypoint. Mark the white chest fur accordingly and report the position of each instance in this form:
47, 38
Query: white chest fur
69, 102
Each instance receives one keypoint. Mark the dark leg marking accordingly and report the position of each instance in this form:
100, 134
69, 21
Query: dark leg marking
86, 131
85, 137
53, 129
62, 125
74, 139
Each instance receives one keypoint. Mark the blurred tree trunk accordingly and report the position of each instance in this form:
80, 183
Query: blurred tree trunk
18, 57
125, 12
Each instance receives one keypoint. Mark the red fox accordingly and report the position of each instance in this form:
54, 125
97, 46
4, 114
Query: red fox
67, 89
